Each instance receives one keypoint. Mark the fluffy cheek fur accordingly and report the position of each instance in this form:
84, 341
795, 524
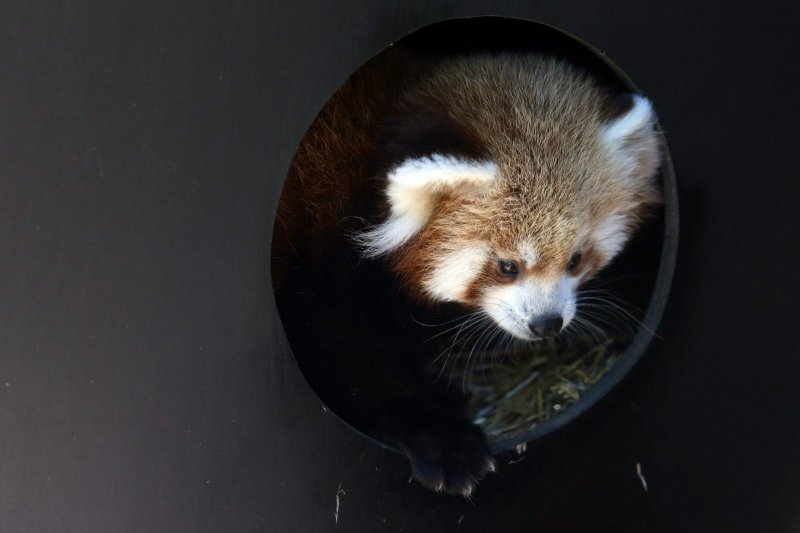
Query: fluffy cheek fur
454, 272
514, 305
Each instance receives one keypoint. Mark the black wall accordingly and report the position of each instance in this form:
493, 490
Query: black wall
145, 383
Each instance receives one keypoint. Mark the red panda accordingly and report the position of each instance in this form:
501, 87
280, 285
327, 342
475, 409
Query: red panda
496, 182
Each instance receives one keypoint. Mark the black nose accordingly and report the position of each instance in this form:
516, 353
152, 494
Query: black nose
545, 326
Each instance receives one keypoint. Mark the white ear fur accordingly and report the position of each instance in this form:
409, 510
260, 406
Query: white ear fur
611, 234
412, 189
633, 142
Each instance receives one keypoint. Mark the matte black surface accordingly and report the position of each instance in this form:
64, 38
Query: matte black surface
145, 384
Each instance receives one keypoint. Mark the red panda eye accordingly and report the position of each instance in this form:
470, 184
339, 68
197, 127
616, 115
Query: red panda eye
574, 261
508, 268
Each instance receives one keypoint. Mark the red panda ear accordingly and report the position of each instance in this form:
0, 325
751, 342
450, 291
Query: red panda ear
412, 189
632, 140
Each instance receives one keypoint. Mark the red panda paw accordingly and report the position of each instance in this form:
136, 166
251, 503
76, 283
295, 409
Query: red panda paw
450, 459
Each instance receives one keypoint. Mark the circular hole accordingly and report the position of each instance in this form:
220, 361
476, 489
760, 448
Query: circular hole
374, 354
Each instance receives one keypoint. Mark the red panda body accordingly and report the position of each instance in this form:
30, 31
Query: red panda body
329, 181
498, 183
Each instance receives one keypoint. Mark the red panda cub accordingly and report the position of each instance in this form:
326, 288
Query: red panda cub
490, 183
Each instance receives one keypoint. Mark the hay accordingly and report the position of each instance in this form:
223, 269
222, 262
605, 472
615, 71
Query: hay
513, 391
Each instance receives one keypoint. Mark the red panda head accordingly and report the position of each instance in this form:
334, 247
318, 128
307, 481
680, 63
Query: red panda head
514, 227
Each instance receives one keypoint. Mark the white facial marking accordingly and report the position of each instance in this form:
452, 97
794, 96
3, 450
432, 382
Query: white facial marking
455, 271
610, 235
514, 306
528, 253
412, 190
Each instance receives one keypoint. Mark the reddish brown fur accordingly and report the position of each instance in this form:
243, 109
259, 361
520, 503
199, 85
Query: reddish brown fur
329, 178
555, 179
490, 275
537, 118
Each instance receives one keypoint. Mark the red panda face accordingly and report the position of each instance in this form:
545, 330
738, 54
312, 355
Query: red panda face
525, 278
538, 204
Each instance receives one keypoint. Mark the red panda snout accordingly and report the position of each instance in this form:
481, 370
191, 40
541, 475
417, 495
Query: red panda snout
532, 308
